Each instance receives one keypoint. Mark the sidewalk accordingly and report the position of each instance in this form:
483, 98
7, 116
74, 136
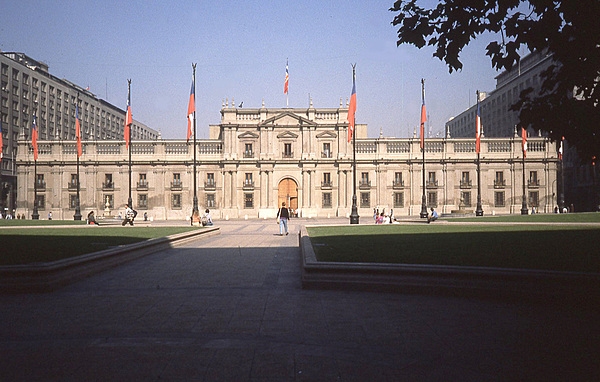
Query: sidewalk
231, 308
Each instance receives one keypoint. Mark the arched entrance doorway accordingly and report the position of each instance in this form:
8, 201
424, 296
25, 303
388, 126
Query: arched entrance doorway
288, 193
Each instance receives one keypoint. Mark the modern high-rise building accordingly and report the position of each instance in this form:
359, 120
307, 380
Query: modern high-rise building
27, 89
496, 117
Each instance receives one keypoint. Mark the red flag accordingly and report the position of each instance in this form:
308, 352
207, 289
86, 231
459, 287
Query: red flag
78, 131
34, 138
423, 120
1, 143
128, 121
478, 128
191, 109
352, 108
286, 83
524, 144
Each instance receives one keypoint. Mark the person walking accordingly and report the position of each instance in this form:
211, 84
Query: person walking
283, 215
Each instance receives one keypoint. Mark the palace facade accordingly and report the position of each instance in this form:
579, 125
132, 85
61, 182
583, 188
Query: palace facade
255, 159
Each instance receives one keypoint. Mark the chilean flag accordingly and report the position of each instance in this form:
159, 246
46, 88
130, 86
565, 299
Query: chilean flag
34, 138
78, 131
128, 121
191, 109
352, 109
524, 137
478, 129
286, 82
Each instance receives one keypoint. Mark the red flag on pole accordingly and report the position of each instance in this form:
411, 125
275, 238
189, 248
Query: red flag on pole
524, 144
34, 138
478, 127
78, 131
286, 82
128, 121
352, 108
191, 109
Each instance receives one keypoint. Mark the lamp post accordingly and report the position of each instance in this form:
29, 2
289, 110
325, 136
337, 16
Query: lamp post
478, 210
195, 212
77, 215
354, 218
423, 213
524, 210
129, 200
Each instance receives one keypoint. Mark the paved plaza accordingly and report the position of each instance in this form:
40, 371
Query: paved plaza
231, 307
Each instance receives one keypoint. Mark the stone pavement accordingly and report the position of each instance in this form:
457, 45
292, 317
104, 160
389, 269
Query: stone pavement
231, 308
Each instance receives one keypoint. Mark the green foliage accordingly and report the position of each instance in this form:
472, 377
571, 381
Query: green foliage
38, 245
532, 246
568, 104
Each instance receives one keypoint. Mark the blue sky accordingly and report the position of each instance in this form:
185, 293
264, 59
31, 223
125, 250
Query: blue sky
241, 50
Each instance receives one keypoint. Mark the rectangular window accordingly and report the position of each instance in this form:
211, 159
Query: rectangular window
176, 180
210, 180
365, 200
364, 180
287, 150
176, 201
466, 198
431, 181
499, 199
73, 182
248, 151
143, 201
108, 199
40, 201
533, 179
398, 181
143, 182
534, 198
210, 201
248, 182
40, 183
248, 200
326, 180
72, 201
326, 150
108, 181
432, 199
398, 199
327, 200
499, 180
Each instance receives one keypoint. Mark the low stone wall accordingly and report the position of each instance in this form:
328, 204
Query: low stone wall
46, 277
540, 286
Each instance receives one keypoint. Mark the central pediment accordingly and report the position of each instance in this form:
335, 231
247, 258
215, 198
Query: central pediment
287, 119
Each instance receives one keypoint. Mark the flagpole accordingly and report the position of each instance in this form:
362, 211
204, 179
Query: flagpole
77, 215
524, 210
479, 209
561, 194
195, 211
35, 215
129, 199
423, 213
354, 217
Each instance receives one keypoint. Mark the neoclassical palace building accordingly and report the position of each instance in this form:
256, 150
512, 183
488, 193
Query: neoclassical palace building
255, 159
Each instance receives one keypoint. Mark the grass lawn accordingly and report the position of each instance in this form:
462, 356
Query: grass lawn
546, 247
37, 244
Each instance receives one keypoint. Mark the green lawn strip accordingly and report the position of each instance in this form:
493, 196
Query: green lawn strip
35, 245
584, 217
37, 223
559, 248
